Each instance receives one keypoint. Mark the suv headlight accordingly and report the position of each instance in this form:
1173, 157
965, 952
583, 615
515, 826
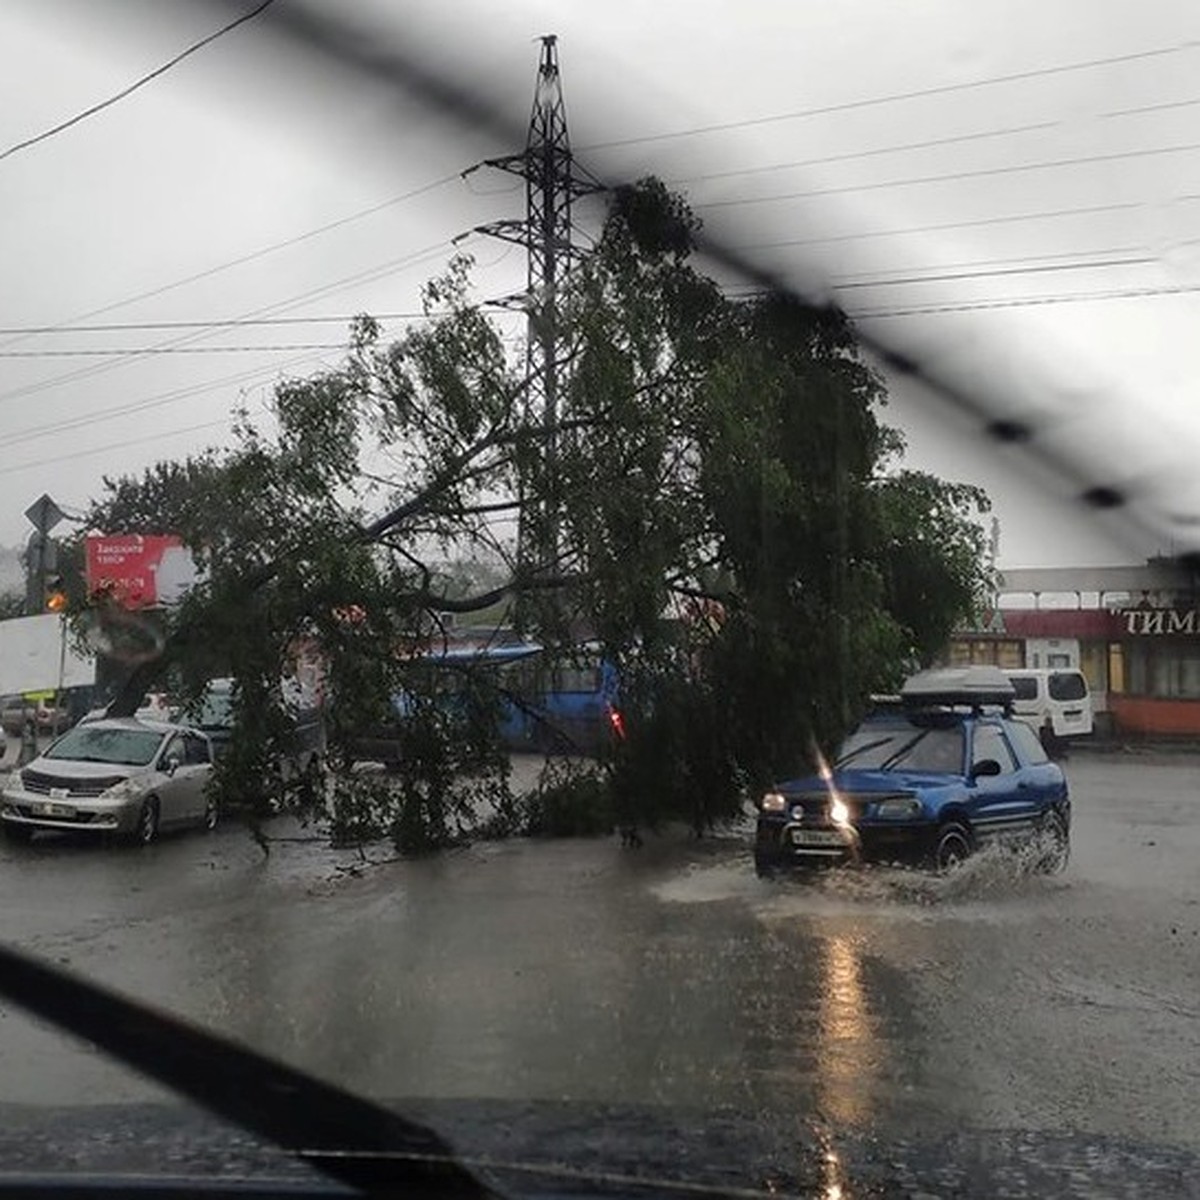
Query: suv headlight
900, 808
773, 802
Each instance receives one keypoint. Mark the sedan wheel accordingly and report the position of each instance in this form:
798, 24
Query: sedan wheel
953, 846
146, 830
21, 834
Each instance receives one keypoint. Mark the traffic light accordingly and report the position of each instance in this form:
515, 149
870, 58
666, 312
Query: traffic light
56, 595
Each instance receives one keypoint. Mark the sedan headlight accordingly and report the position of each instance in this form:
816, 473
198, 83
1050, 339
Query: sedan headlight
900, 808
123, 790
773, 802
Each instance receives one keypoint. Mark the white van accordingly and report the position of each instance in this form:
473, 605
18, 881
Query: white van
1056, 702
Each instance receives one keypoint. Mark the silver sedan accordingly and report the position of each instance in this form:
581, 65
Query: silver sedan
123, 776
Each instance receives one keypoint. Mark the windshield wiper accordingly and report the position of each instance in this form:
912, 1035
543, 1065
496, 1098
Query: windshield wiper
892, 759
883, 741
347, 1138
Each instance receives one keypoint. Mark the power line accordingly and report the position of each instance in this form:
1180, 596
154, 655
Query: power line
1029, 301
917, 93
121, 445
140, 351
159, 400
1010, 169
137, 83
254, 255
945, 225
1094, 264
850, 156
214, 323
370, 275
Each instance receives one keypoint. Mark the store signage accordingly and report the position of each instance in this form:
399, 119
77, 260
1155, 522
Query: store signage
1164, 621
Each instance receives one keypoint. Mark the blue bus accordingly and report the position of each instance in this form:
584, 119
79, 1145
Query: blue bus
563, 703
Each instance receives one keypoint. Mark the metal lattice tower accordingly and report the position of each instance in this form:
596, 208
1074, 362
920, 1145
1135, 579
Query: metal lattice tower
552, 182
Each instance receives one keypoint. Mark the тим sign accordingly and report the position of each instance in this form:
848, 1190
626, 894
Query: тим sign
1161, 621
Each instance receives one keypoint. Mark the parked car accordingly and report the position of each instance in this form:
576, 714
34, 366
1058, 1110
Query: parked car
16, 712
303, 756
1056, 702
118, 776
946, 770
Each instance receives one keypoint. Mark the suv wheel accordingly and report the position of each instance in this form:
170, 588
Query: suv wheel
1053, 845
953, 846
764, 867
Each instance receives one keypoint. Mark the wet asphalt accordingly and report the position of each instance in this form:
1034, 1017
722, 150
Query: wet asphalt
853, 1032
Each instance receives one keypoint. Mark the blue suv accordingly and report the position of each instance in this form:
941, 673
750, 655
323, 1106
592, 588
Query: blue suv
930, 777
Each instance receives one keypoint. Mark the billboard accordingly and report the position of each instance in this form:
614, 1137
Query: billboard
140, 570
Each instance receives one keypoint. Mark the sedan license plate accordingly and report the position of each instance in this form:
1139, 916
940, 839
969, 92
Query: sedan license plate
824, 838
58, 793
55, 810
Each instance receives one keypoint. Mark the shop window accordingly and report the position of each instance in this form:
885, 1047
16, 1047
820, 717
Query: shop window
1165, 671
1010, 656
1091, 663
960, 654
1116, 667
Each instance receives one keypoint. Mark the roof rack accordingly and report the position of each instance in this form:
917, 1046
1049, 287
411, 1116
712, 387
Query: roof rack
959, 687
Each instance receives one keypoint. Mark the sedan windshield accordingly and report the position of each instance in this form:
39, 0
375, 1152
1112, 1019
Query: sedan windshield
904, 748
86, 743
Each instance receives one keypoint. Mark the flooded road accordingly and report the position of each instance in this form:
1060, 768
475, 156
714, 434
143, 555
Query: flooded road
891, 1011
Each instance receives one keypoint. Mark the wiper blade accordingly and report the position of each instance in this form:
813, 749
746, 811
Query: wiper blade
892, 759
883, 741
347, 1138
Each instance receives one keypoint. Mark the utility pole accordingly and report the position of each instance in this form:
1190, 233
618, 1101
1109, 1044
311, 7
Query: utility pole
552, 182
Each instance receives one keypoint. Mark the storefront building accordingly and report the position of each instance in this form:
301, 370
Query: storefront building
1134, 632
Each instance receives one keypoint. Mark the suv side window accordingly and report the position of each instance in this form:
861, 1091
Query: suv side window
1028, 744
989, 742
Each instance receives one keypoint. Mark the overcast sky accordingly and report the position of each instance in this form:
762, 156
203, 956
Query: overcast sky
961, 176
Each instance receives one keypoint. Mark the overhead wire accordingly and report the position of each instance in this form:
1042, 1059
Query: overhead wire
158, 400
212, 323
254, 255
894, 97
186, 392
415, 258
874, 151
141, 82
942, 226
1032, 269
123, 444
141, 351
953, 176
931, 309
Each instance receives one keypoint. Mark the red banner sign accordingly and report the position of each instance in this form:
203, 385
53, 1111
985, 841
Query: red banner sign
139, 571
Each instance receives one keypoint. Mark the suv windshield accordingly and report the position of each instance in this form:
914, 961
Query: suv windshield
87, 743
904, 748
